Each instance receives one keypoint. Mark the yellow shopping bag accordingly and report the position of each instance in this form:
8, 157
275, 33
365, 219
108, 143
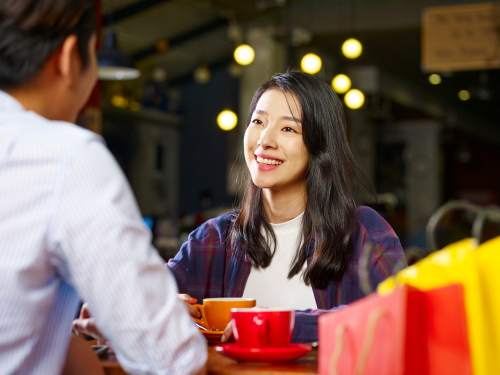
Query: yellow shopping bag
478, 270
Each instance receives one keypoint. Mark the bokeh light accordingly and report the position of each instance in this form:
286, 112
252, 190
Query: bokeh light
244, 54
202, 74
311, 63
352, 48
354, 99
435, 79
119, 101
227, 120
464, 95
341, 83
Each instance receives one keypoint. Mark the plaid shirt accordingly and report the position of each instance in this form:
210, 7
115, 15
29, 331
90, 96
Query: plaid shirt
208, 265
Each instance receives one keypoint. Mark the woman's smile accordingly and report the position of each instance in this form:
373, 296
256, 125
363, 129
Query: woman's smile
267, 163
262, 160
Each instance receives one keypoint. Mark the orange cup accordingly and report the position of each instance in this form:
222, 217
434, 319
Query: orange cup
216, 312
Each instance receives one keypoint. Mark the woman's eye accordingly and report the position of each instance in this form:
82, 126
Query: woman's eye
256, 121
288, 129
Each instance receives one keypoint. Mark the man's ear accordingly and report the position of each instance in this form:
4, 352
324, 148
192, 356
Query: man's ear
67, 60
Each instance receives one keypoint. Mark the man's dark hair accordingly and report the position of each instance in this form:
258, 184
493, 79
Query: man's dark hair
31, 30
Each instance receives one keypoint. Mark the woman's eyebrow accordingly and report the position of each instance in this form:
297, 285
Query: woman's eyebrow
291, 118
260, 112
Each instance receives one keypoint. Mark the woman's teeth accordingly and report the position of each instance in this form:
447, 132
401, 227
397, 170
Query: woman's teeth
268, 161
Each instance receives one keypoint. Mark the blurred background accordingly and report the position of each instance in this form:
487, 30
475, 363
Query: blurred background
419, 81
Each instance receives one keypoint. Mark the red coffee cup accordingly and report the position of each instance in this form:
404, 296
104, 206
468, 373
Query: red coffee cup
263, 328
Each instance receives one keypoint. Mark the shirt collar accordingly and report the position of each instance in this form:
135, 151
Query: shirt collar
9, 102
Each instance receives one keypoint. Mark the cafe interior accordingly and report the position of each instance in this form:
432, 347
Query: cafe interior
418, 81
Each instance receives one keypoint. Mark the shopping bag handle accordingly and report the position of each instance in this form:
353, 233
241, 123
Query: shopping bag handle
489, 213
337, 350
364, 268
438, 215
366, 347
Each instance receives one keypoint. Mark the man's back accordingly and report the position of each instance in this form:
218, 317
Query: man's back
70, 227
33, 298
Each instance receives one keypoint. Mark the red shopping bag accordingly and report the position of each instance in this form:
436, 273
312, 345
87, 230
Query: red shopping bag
408, 332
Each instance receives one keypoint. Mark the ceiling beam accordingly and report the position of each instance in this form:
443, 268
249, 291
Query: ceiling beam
182, 38
128, 11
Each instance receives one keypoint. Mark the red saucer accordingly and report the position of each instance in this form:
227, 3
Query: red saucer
266, 355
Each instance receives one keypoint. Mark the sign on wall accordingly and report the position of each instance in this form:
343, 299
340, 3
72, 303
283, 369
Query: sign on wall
461, 37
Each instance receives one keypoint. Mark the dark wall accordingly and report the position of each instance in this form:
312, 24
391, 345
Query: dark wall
204, 146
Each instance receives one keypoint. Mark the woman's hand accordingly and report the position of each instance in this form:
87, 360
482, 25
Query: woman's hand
85, 324
189, 302
228, 332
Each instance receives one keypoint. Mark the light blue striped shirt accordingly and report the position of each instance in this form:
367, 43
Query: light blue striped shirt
69, 229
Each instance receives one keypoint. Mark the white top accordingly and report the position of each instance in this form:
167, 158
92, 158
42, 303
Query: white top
70, 228
270, 286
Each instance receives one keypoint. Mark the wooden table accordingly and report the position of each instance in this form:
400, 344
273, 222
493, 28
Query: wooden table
217, 364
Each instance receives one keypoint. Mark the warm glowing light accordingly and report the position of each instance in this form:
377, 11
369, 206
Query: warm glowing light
119, 101
435, 79
134, 106
244, 54
311, 63
341, 83
202, 74
354, 99
352, 48
227, 120
464, 95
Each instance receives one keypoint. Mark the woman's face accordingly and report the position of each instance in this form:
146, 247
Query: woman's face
275, 152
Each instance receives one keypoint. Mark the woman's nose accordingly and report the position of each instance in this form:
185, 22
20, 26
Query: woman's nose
268, 138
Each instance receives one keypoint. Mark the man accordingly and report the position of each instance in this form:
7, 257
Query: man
69, 225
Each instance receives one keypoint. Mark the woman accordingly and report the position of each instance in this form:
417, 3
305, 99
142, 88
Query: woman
296, 240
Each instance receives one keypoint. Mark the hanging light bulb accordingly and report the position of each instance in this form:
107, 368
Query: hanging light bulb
435, 79
244, 54
311, 63
227, 120
354, 99
341, 83
464, 95
352, 48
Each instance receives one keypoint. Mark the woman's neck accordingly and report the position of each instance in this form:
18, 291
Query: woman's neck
282, 206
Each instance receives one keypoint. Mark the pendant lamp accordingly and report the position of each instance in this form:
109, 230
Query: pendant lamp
114, 64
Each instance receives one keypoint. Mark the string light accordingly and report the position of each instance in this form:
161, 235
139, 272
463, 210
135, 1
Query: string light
244, 54
354, 99
311, 63
352, 48
227, 120
341, 83
435, 79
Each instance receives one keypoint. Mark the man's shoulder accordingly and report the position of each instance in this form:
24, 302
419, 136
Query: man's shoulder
63, 133
31, 127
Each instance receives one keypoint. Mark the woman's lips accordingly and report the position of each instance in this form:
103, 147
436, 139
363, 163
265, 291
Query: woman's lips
267, 164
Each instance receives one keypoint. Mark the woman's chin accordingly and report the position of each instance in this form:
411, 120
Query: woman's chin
264, 183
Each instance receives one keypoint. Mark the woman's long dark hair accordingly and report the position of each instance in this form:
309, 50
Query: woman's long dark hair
330, 215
